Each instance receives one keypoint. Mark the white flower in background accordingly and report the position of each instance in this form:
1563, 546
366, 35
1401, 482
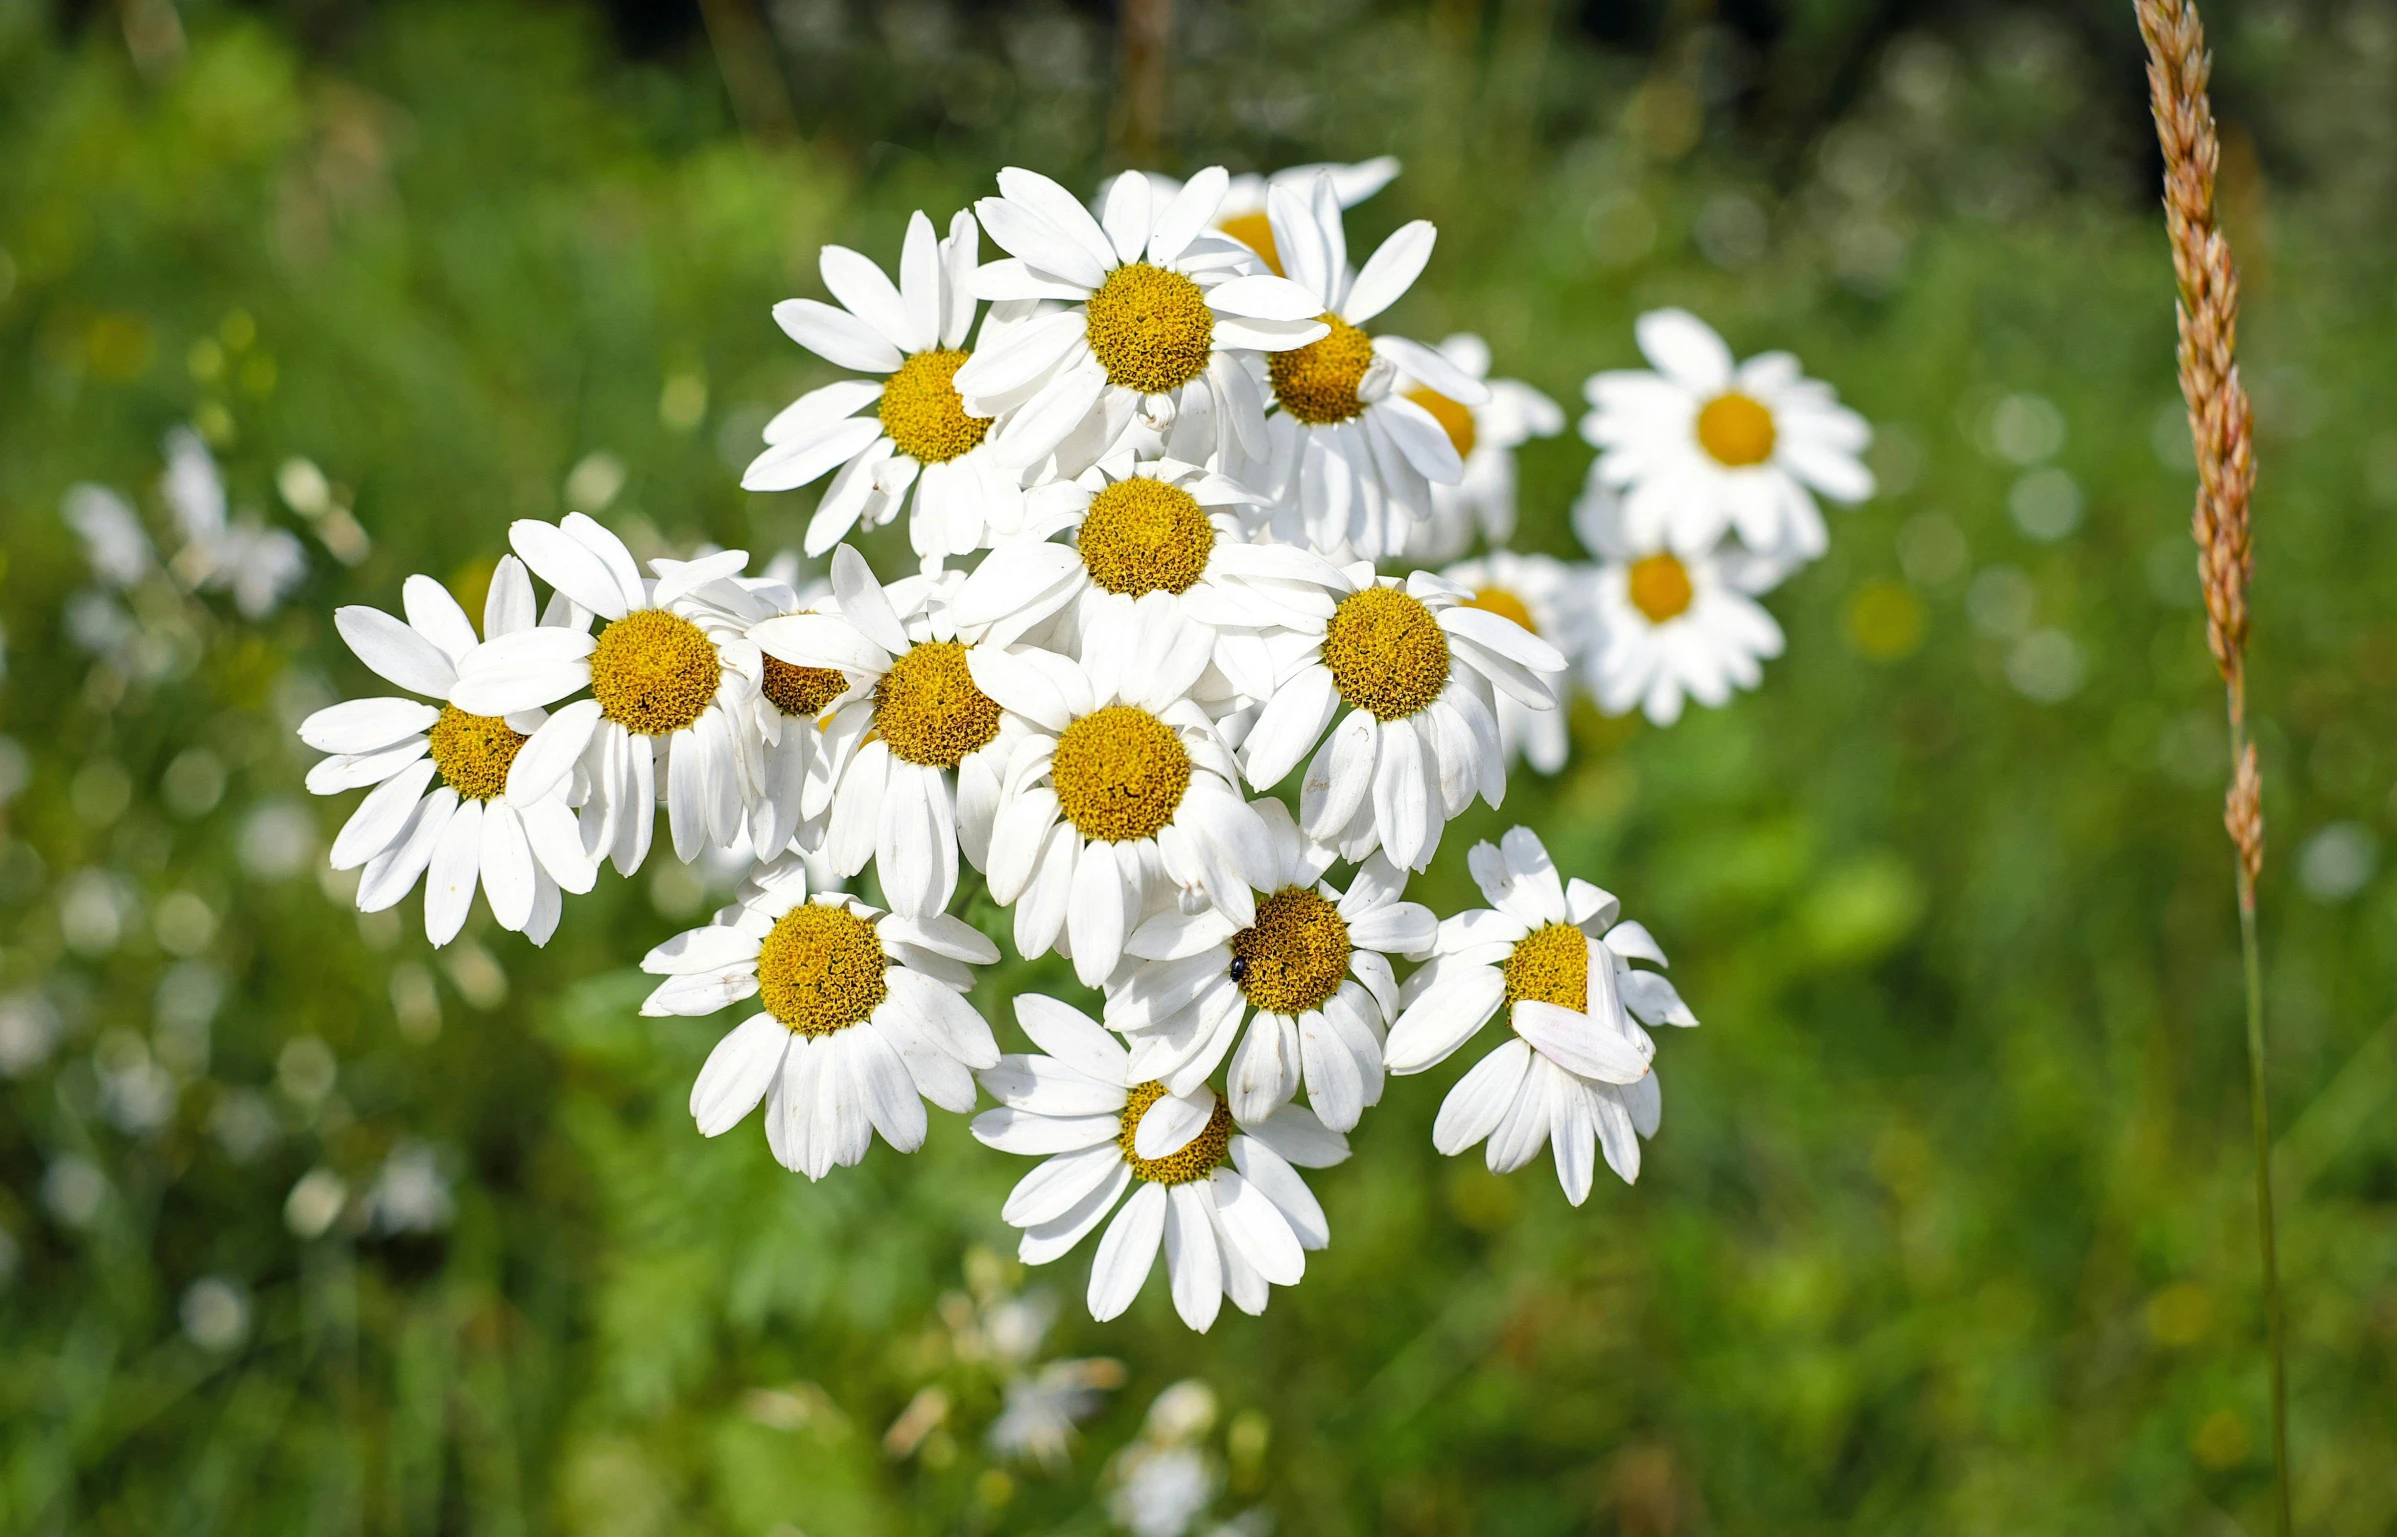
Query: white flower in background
1353, 459
1308, 975
1575, 1073
1241, 214
1042, 1407
257, 564
918, 436
1222, 1195
1165, 1480
473, 828
1121, 790
114, 540
667, 699
1416, 666
1703, 444
789, 779
1486, 437
915, 747
1138, 528
1548, 598
1661, 625
1162, 319
863, 1018
410, 1194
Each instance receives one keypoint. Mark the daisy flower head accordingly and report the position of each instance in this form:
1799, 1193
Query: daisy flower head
862, 1017
1221, 1193
1160, 320
1417, 667
1354, 459
1308, 976
1546, 597
1576, 1074
1136, 527
1662, 625
787, 774
918, 438
667, 702
1704, 443
443, 800
1120, 792
915, 746
1485, 437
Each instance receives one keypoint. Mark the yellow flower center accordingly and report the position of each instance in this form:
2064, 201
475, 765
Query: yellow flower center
1736, 430
1255, 231
1455, 419
1551, 965
1660, 586
1386, 652
1202, 1156
1142, 536
1499, 601
473, 752
1318, 383
1293, 957
1150, 328
654, 672
802, 691
922, 411
820, 969
1119, 773
927, 708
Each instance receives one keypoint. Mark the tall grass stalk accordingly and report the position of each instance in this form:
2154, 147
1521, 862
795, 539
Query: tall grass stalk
2221, 423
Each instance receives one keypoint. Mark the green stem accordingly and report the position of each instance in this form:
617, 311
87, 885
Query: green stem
2260, 1116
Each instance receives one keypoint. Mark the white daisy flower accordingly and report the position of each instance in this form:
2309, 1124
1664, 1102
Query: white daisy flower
473, 828
258, 564
1548, 598
1704, 444
919, 436
1142, 527
1308, 976
863, 1017
1486, 437
1577, 1072
1242, 214
1161, 318
1353, 459
1418, 668
668, 700
915, 747
1662, 625
1222, 1194
788, 776
1120, 791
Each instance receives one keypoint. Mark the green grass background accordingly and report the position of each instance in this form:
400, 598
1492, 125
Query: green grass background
1948, 1228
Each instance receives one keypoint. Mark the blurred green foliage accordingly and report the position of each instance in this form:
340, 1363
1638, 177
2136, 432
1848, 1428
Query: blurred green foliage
1948, 1228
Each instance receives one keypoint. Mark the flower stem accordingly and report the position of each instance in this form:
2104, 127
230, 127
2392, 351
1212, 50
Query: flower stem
2260, 1116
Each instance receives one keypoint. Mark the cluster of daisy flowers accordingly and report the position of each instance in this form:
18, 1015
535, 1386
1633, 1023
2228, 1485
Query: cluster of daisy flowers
1148, 688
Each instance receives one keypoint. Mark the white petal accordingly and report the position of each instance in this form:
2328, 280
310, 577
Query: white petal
450, 879
836, 336
1193, 1262
1389, 272
737, 1073
1127, 1252
397, 651
1481, 1098
1255, 1223
366, 725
